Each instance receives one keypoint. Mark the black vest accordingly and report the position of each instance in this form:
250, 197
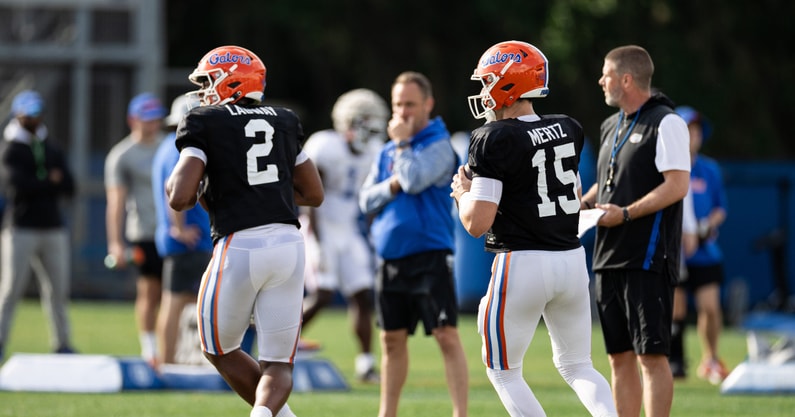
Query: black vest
650, 242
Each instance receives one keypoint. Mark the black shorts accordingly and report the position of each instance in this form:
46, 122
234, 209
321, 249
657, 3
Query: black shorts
699, 276
152, 264
182, 273
417, 287
635, 309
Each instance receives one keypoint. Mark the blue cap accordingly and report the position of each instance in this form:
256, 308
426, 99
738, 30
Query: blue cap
146, 107
27, 103
691, 115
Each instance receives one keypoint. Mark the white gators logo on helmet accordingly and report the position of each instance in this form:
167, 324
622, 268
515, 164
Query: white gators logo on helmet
365, 112
228, 57
499, 57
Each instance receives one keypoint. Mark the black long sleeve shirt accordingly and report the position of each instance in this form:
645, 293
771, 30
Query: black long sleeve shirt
33, 202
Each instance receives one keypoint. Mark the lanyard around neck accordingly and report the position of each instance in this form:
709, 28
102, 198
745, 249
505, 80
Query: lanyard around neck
616, 148
37, 146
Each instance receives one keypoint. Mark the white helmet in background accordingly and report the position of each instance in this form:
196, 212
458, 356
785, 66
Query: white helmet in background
364, 114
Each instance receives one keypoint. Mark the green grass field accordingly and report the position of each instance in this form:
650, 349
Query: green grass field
108, 328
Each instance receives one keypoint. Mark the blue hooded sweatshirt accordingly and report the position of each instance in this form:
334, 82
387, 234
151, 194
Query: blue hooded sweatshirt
415, 222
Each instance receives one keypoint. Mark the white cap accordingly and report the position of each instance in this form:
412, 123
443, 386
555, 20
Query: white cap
180, 107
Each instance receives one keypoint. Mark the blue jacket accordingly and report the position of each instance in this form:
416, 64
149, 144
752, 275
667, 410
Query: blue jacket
420, 217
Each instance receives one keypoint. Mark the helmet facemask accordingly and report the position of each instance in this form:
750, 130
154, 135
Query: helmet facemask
366, 130
208, 82
483, 105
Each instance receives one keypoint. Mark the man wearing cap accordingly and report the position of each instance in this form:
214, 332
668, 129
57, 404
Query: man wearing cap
705, 265
34, 235
130, 217
183, 240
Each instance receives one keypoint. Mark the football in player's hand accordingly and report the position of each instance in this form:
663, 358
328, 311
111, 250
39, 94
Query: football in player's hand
467, 172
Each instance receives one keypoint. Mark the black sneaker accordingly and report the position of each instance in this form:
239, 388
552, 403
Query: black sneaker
678, 368
369, 377
65, 350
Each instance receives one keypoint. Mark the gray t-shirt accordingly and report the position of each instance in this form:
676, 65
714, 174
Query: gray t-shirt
129, 165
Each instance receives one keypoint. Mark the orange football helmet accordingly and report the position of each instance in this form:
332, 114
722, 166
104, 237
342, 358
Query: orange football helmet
227, 74
508, 71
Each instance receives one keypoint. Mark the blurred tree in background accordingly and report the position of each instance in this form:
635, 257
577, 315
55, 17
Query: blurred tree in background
731, 59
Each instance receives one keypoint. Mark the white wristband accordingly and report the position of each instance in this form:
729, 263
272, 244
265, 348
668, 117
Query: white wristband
486, 189
465, 196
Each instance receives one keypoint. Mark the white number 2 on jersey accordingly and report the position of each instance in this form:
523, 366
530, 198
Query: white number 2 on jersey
258, 150
547, 206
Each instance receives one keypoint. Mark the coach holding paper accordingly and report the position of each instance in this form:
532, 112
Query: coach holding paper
642, 175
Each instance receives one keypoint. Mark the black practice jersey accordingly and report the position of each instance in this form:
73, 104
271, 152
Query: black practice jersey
251, 153
537, 163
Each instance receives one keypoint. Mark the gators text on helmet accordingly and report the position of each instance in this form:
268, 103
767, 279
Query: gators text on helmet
227, 74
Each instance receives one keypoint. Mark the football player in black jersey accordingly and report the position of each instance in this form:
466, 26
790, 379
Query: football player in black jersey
521, 188
243, 160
